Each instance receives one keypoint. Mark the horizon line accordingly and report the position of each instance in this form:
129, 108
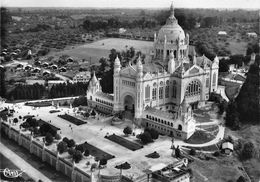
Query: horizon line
151, 8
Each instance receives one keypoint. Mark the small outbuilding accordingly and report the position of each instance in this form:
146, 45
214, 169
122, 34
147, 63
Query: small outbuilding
227, 148
222, 33
251, 34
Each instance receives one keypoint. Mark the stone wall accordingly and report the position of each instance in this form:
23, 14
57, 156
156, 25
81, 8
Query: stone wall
35, 147
44, 154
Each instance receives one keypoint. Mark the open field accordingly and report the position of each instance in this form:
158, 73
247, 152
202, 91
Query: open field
101, 48
218, 169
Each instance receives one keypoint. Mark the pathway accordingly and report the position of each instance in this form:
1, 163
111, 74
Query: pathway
218, 137
221, 91
22, 164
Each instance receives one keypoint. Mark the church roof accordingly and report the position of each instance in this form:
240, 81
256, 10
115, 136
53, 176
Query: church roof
179, 69
152, 67
202, 60
172, 31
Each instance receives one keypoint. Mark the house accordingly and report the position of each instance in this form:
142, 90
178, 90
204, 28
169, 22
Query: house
46, 72
62, 69
45, 64
176, 172
122, 30
54, 67
251, 34
222, 33
82, 77
227, 148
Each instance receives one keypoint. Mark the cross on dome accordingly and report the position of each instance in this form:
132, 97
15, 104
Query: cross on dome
171, 19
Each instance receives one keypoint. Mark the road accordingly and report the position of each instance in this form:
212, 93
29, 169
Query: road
22, 164
221, 91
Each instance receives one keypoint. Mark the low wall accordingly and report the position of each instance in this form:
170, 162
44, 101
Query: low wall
50, 157
60, 164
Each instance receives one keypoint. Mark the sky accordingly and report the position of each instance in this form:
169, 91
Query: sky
244, 4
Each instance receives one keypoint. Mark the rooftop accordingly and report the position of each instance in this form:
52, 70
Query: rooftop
160, 113
105, 95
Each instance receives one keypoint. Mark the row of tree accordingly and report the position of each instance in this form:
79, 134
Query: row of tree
245, 108
68, 89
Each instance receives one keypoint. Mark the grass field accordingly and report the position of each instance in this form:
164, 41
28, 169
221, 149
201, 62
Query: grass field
231, 91
219, 170
101, 48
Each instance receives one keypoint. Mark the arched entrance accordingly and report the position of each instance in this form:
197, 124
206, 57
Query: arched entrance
129, 103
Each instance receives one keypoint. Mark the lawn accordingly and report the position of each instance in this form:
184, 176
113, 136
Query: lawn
97, 153
101, 48
231, 91
72, 119
221, 169
211, 148
124, 142
41, 122
39, 104
200, 137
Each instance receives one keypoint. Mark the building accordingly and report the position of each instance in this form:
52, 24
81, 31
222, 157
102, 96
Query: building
227, 148
163, 91
251, 34
222, 33
176, 172
82, 77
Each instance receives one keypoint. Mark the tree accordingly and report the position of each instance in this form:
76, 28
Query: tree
80, 147
81, 101
86, 153
127, 130
77, 156
15, 120
192, 151
93, 166
71, 151
71, 143
62, 147
49, 138
248, 151
241, 179
57, 136
93, 113
216, 154
2, 81
178, 152
232, 116
223, 65
222, 106
103, 162
154, 134
146, 137
66, 140
46, 128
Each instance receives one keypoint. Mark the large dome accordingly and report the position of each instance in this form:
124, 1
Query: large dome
171, 30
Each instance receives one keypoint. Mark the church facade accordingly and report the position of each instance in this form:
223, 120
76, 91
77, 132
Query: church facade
165, 89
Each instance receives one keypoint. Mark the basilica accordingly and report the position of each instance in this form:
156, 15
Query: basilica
162, 92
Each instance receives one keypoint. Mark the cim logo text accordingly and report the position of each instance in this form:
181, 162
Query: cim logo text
11, 173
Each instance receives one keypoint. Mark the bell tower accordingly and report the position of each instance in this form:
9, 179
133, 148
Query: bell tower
139, 89
117, 69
